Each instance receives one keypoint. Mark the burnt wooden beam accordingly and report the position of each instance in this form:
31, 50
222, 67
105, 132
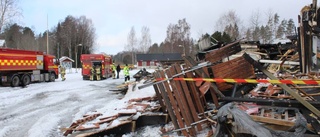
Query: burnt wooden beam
152, 119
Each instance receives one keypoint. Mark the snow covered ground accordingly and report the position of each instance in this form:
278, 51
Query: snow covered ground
41, 109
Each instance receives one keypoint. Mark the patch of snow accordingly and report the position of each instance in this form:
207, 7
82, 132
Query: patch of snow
41, 109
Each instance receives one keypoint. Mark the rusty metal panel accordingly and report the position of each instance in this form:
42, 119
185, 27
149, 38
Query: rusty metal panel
237, 68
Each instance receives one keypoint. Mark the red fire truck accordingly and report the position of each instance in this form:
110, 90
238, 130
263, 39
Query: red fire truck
91, 60
21, 67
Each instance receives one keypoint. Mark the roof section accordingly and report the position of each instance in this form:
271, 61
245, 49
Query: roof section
66, 59
159, 56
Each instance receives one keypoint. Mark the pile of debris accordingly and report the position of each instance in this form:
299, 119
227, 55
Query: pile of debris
138, 108
234, 94
143, 73
238, 89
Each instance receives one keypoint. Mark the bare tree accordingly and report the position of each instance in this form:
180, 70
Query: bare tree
86, 34
132, 42
8, 11
178, 34
229, 23
255, 19
145, 41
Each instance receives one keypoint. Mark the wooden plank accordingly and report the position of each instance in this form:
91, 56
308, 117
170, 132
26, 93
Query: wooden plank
275, 121
182, 101
200, 72
237, 68
213, 87
204, 88
175, 104
166, 99
106, 120
87, 127
156, 89
195, 93
122, 128
221, 53
186, 92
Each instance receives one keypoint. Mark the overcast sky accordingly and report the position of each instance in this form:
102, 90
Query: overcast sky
113, 19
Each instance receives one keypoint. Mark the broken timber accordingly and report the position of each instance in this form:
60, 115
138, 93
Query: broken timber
285, 87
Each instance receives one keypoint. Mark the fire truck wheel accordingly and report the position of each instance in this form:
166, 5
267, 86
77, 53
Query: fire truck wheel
52, 77
25, 80
15, 81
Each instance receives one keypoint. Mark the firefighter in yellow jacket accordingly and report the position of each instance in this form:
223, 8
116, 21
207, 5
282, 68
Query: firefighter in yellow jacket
98, 72
126, 73
92, 73
113, 67
62, 73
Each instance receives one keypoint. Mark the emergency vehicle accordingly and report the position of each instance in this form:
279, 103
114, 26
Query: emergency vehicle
89, 61
22, 67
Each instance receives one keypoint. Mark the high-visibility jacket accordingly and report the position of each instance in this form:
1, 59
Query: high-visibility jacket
126, 71
92, 71
114, 68
98, 70
63, 70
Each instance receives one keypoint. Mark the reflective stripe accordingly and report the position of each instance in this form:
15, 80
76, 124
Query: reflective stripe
20, 62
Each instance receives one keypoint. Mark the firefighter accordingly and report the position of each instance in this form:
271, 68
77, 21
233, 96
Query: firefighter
98, 72
126, 73
62, 73
113, 67
118, 71
92, 73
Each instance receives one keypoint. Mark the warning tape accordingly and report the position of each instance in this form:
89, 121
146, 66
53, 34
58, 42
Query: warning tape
219, 80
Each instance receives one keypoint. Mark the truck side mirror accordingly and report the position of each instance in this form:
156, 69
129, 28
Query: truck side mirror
57, 62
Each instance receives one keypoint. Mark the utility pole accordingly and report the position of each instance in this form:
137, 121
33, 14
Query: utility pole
47, 36
76, 57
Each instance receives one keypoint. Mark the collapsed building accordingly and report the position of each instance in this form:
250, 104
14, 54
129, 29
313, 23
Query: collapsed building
239, 89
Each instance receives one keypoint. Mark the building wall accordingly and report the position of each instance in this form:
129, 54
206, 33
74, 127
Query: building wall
147, 64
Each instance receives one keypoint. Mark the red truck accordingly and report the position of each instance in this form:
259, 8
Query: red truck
21, 67
91, 60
